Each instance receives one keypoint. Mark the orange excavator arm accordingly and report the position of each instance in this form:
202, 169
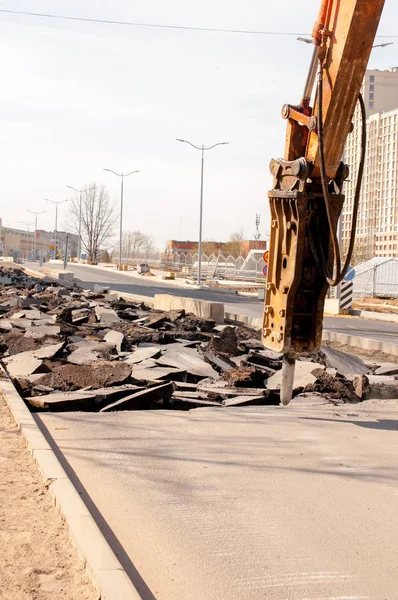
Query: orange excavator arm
306, 200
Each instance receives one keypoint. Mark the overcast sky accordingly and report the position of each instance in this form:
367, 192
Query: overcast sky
77, 97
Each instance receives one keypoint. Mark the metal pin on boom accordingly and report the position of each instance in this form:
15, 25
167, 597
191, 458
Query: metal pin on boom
288, 368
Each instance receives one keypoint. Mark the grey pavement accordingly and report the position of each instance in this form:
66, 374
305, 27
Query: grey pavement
243, 305
297, 503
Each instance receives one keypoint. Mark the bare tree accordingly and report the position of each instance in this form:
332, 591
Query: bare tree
132, 243
98, 218
234, 245
135, 242
210, 247
149, 246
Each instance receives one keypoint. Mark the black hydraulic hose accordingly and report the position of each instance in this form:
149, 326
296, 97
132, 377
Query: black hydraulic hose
340, 273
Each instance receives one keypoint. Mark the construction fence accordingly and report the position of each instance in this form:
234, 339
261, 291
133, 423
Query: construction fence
377, 277
213, 266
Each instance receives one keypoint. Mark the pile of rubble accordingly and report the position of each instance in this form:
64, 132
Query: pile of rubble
91, 350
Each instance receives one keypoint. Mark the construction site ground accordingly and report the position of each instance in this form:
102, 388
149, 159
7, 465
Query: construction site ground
170, 428
383, 305
38, 561
258, 502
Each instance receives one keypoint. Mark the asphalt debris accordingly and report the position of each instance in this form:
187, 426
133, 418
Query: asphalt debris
69, 349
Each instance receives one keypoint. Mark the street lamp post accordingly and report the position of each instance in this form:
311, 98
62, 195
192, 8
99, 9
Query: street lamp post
122, 176
35, 213
27, 237
80, 192
203, 150
310, 41
56, 221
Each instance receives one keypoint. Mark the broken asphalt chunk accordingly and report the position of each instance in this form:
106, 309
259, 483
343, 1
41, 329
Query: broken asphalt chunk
142, 353
342, 361
303, 375
70, 377
387, 369
114, 339
106, 316
187, 359
146, 399
91, 400
154, 374
247, 400
182, 403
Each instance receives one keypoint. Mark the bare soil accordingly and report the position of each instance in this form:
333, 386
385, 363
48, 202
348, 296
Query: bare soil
69, 377
383, 305
38, 561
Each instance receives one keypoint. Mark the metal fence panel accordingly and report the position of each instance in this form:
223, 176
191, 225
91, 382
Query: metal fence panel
214, 266
377, 277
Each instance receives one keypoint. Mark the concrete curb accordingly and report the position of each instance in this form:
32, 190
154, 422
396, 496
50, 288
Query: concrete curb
67, 284
374, 316
135, 298
360, 342
105, 571
327, 336
254, 322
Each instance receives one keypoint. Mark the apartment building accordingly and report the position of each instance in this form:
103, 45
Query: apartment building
380, 90
22, 244
377, 226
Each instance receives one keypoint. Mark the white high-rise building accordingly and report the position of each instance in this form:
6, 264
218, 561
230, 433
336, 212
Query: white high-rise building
377, 226
380, 90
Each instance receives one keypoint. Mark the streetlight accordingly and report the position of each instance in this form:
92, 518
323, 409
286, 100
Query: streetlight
310, 41
202, 149
27, 237
383, 45
56, 220
36, 213
80, 215
122, 176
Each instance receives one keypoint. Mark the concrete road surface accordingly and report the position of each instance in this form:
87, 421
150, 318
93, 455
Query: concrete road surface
297, 503
144, 286
243, 305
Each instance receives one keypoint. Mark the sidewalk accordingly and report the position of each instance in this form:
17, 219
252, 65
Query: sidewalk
38, 560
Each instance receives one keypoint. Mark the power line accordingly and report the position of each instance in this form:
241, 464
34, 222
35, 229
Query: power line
159, 26
153, 25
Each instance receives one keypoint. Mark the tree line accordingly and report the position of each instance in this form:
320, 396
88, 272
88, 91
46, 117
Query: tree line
96, 216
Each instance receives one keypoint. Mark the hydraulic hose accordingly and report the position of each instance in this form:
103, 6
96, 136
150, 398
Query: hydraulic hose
321, 261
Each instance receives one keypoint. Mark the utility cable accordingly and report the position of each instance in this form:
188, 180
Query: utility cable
154, 25
159, 26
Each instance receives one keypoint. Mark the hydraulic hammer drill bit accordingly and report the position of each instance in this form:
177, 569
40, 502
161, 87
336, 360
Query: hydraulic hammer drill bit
288, 367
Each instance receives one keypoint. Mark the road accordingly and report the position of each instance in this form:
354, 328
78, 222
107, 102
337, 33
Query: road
297, 503
243, 305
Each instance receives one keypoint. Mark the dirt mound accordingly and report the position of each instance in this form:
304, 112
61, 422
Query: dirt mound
69, 377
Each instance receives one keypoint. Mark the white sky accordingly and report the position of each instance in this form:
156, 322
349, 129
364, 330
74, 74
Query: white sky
77, 97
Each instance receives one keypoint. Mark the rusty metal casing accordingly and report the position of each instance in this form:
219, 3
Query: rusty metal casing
295, 290
350, 31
